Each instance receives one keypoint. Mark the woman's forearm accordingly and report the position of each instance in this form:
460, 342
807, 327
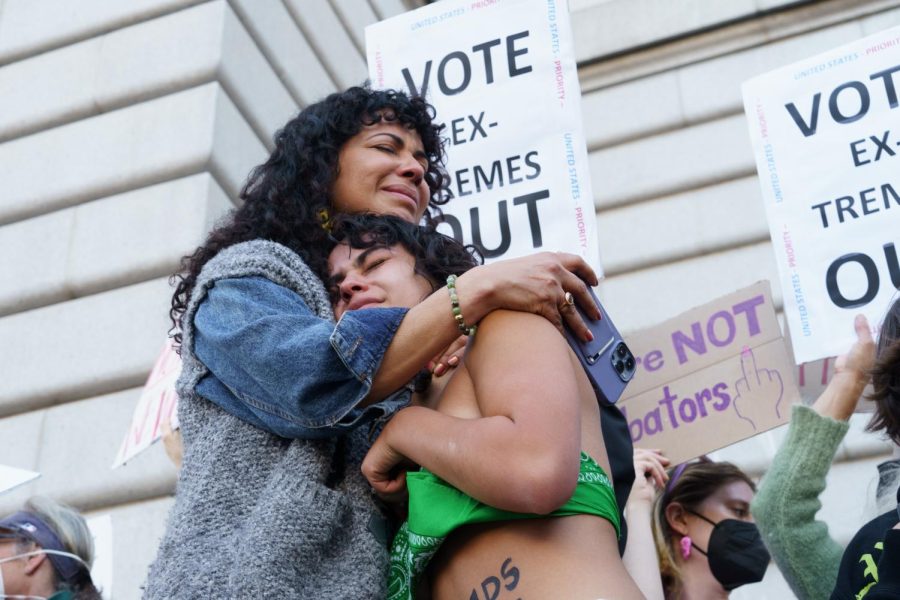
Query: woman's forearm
487, 458
787, 501
640, 552
535, 284
426, 330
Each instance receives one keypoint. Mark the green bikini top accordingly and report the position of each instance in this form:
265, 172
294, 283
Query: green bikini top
436, 508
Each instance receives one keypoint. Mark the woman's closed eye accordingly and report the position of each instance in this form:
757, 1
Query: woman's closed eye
374, 264
374, 259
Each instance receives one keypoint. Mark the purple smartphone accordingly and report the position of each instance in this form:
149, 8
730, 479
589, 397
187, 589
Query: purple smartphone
607, 360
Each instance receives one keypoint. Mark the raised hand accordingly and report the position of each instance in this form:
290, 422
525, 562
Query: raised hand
649, 476
757, 391
860, 358
851, 374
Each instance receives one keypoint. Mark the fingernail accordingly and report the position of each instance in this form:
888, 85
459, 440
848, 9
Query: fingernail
430, 366
439, 370
453, 360
590, 336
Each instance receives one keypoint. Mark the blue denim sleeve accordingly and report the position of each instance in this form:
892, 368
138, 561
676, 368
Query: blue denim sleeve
293, 372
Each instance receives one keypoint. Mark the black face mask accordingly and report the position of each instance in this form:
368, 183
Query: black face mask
736, 553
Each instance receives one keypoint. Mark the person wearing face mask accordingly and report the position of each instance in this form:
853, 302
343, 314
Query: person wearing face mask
707, 542
46, 551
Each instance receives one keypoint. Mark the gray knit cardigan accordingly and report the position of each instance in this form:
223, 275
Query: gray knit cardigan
253, 517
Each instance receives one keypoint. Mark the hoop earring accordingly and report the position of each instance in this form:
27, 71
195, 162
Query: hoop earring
325, 219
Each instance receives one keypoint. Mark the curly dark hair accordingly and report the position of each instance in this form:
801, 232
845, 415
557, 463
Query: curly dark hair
886, 377
283, 197
436, 255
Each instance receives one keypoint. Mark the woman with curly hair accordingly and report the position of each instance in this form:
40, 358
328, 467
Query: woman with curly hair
274, 396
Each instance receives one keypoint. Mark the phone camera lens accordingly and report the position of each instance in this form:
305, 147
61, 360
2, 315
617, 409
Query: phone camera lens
629, 363
621, 350
620, 366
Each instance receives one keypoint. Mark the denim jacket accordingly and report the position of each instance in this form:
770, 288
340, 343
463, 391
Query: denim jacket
273, 363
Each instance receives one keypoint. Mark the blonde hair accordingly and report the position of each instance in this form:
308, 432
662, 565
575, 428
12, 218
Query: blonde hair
72, 530
67, 523
689, 485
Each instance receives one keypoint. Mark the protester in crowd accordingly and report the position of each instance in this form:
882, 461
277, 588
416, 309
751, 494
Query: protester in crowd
706, 540
273, 394
650, 479
870, 566
508, 445
46, 552
788, 499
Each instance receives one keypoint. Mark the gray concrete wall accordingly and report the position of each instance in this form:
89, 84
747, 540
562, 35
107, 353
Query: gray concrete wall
127, 128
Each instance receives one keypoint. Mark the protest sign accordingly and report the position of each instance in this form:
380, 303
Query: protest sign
826, 139
156, 405
502, 76
710, 377
11, 477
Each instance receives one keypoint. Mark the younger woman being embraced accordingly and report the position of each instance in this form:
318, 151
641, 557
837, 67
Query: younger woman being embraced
514, 491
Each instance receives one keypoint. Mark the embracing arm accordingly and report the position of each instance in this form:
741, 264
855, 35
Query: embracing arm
523, 454
534, 284
298, 375
282, 368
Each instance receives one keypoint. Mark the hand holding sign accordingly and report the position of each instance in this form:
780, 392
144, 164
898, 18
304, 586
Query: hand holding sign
755, 390
860, 359
851, 374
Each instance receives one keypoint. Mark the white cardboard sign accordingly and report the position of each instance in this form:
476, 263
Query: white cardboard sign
826, 133
502, 77
158, 403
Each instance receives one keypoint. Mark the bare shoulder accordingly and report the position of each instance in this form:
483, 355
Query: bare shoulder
508, 326
514, 338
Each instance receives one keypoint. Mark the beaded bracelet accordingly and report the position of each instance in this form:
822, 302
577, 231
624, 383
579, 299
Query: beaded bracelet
457, 311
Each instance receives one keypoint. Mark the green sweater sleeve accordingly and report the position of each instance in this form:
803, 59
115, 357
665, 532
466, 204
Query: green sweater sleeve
786, 504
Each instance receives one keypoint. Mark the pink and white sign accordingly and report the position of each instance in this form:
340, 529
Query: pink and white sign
156, 405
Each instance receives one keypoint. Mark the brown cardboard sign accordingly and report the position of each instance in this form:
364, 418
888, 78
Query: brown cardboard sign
710, 377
